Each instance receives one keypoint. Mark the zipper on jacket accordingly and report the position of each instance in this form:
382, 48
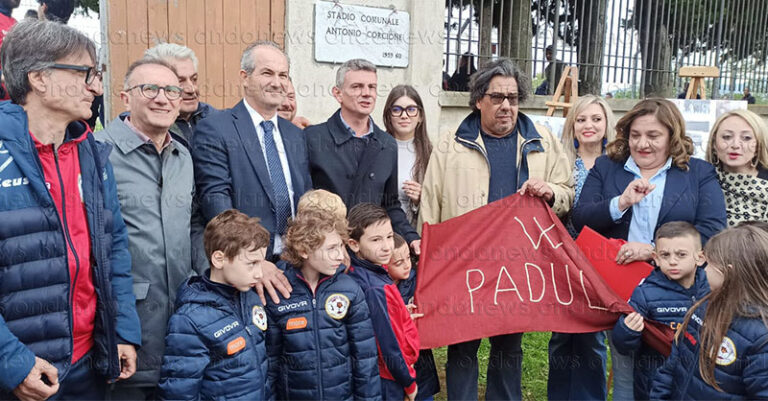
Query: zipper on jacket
67, 236
520, 161
316, 330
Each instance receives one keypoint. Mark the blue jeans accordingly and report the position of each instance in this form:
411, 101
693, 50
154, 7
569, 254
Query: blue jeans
623, 375
577, 366
504, 369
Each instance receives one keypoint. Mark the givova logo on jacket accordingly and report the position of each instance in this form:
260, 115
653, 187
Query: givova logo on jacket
259, 317
336, 306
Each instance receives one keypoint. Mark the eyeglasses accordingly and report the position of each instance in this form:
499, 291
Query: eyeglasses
397, 111
150, 91
498, 98
91, 73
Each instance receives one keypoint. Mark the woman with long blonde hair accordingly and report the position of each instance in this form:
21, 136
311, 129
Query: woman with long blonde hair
577, 360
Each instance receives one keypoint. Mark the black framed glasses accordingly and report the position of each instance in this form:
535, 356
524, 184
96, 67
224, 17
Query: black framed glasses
498, 98
150, 91
91, 73
397, 111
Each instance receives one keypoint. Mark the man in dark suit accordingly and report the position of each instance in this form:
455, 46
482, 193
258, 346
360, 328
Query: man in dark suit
352, 157
248, 158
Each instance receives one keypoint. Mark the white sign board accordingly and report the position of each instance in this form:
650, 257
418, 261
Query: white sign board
344, 32
700, 117
554, 124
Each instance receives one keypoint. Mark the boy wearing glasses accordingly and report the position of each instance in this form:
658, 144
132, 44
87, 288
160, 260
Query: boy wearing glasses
155, 183
496, 152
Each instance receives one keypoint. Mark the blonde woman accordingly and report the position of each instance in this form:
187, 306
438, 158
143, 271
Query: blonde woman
737, 148
577, 360
589, 127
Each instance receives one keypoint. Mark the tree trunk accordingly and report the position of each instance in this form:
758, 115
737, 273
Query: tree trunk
485, 32
516, 33
591, 44
655, 47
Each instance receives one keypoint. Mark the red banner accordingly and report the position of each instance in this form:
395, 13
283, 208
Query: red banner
508, 267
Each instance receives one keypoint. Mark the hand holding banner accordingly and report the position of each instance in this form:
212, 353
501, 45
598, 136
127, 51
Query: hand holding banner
508, 267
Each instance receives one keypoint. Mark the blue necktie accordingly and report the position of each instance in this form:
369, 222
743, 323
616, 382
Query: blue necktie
282, 198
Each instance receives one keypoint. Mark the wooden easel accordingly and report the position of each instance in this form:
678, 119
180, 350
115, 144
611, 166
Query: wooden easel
568, 87
697, 75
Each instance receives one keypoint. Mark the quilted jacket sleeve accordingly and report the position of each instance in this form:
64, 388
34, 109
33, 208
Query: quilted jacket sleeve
16, 360
185, 360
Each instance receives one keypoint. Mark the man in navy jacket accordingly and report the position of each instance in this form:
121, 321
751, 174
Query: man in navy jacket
68, 320
352, 157
236, 151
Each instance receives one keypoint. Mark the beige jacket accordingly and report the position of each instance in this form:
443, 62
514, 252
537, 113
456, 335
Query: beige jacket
458, 174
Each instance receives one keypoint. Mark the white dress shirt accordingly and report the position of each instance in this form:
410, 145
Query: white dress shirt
257, 119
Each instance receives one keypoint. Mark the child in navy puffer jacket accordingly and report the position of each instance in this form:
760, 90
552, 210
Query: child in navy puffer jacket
320, 342
371, 243
664, 296
721, 350
215, 344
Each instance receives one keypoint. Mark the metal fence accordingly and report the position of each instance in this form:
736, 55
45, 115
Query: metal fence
630, 48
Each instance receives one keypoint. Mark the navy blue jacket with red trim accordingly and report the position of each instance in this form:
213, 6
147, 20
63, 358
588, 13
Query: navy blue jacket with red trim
741, 370
35, 293
321, 345
663, 300
396, 334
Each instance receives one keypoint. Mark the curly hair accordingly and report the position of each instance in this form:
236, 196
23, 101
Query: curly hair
680, 144
306, 232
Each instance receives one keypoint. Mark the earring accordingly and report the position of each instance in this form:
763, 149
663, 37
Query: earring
605, 142
754, 161
575, 143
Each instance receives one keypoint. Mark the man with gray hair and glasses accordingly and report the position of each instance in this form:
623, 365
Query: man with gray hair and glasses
155, 185
192, 110
352, 157
68, 321
496, 152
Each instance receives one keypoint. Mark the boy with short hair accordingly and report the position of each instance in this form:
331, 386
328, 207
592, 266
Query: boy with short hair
215, 343
371, 245
404, 276
676, 283
320, 342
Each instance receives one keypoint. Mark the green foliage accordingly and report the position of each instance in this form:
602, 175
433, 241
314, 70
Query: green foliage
535, 366
87, 6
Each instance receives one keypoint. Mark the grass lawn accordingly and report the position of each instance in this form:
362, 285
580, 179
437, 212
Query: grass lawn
535, 366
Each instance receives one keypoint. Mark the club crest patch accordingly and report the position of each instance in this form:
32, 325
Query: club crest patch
336, 306
259, 317
726, 355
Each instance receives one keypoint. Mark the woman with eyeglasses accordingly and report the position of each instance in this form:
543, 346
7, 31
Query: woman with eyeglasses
737, 148
404, 119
